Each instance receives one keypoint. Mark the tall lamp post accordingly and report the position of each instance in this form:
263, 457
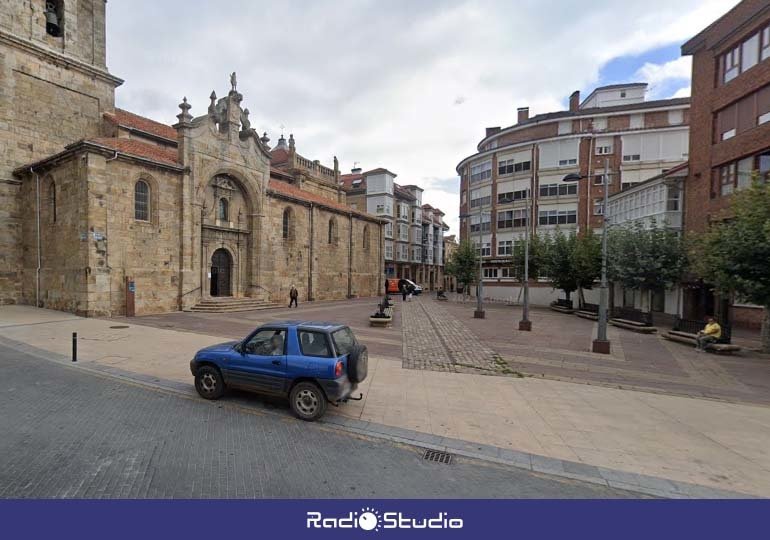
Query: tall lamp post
479, 313
525, 325
601, 344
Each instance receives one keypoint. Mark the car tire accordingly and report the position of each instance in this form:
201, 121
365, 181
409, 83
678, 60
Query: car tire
209, 382
358, 364
307, 401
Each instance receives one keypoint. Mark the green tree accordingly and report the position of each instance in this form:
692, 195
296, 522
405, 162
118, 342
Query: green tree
538, 247
587, 261
559, 262
646, 258
734, 255
463, 264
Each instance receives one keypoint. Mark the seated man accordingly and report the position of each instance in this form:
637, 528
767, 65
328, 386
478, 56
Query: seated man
276, 345
710, 334
440, 293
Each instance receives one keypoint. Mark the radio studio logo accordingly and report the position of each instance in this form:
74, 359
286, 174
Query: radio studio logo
370, 519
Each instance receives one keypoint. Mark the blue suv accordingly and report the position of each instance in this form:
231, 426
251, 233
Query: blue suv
311, 363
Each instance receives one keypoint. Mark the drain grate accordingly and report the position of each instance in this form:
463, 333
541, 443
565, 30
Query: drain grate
437, 457
119, 327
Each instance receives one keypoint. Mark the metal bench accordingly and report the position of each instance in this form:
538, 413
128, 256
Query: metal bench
686, 330
631, 316
562, 306
588, 311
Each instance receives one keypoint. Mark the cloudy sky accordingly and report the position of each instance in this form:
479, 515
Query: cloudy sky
407, 85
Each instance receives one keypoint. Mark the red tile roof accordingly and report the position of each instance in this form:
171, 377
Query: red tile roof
141, 123
279, 155
133, 147
346, 180
292, 191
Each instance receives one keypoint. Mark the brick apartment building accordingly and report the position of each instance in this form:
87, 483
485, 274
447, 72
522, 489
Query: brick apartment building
730, 130
640, 139
413, 231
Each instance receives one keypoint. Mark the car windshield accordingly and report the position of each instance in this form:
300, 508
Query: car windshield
344, 340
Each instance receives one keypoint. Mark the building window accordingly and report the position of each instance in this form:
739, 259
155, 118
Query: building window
567, 162
765, 45
598, 207
622, 93
52, 200
507, 273
556, 190
505, 247
366, 240
224, 210
481, 172
481, 225
332, 231
557, 217
486, 249
511, 219
490, 273
510, 167
510, 196
599, 180
142, 201
762, 119
388, 230
287, 225
632, 157
727, 178
731, 62
380, 209
672, 201
729, 134
603, 150
54, 18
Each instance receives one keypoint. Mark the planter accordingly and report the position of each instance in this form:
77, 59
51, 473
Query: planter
380, 321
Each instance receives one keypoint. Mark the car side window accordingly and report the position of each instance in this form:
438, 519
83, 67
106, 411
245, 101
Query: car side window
268, 342
314, 344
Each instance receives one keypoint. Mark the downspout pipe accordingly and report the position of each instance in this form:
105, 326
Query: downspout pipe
350, 257
37, 221
312, 255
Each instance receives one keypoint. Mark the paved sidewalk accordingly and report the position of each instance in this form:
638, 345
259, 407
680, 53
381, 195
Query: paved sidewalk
680, 440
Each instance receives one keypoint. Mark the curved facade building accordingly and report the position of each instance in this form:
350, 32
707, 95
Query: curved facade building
524, 164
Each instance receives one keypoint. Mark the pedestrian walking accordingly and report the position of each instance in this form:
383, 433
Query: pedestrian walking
293, 295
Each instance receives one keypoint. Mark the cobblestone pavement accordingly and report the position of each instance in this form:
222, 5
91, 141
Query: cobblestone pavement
72, 434
559, 348
436, 340
355, 313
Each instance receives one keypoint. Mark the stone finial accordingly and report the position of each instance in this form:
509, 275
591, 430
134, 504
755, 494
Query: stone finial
213, 105
233, 81
265, 139
185, 116
291, 141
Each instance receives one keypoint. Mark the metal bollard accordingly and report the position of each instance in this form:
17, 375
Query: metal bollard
74, 346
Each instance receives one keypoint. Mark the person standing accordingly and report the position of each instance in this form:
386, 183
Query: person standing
710, 334
293, 295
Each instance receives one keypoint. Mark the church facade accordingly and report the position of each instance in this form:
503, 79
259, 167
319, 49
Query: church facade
104, 212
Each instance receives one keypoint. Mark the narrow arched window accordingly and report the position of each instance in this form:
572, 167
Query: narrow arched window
142, 201
54, 17
287, 225
332, 231
366, 238
52, 200
224, 209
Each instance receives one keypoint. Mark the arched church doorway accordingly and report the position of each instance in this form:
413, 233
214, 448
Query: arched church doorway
221, 271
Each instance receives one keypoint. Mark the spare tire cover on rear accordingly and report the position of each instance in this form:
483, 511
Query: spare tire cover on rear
358, 364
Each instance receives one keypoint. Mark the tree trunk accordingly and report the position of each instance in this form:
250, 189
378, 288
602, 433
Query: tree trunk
766, 331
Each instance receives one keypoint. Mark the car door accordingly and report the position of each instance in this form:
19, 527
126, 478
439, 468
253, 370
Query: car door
261, 364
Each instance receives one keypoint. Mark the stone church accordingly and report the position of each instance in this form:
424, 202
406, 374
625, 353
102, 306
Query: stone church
104, 212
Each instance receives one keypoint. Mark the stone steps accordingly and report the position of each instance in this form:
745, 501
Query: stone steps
231, 305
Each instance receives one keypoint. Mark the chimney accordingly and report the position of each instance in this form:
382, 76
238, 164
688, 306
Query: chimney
492, 131
356, 170
574, 101
523, 114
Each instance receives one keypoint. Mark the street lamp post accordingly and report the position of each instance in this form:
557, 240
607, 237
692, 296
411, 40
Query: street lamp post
601, 344
479, 313
525, 325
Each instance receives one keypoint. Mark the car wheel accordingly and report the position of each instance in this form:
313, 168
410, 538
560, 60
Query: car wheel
307, 401
209, 382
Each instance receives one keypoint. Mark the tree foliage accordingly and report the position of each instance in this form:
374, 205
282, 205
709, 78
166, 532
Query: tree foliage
559, 262
734, 255
537, 253
463, 264
645, 258
587, 259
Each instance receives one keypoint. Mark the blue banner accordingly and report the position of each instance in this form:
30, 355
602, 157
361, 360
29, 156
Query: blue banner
292, 519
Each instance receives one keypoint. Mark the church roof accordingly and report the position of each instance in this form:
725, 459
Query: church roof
140, 123
294, 192
133, 147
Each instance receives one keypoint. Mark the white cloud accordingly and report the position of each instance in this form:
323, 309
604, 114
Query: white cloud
380, 82
682, 92
660, 76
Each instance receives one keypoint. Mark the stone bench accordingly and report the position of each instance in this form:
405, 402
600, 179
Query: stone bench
587, 315
689, 339
634, 326
562, 309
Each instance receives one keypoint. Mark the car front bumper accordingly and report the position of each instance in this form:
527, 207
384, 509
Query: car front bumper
337, 389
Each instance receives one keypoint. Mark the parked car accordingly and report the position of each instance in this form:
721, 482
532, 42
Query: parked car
311, 363
417, 289
394, 285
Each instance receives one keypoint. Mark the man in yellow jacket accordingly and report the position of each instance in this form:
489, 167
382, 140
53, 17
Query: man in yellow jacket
710, 334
